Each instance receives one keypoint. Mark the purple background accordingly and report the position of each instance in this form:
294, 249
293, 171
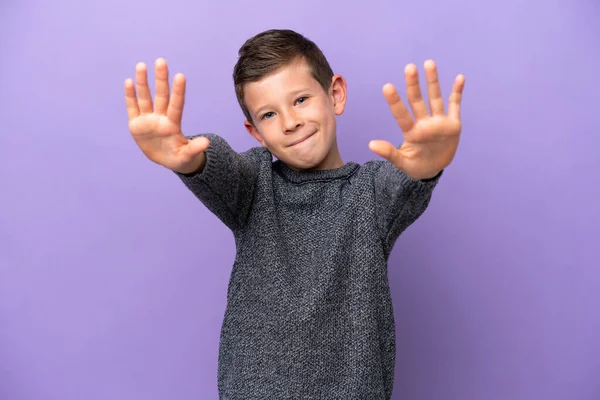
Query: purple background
113, 276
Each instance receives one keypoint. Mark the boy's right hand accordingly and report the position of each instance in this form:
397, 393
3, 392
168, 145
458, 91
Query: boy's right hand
157, 128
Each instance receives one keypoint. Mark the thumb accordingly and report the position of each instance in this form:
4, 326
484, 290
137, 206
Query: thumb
197, 146
387, 151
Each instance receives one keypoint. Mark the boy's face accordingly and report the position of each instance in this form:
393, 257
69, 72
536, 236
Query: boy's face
295, 118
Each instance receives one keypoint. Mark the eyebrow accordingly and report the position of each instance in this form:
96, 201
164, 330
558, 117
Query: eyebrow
292, 94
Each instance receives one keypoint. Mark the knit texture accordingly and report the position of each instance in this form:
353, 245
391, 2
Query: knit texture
309, 312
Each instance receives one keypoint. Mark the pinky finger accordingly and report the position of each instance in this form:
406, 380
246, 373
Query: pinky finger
456, 97
133, 109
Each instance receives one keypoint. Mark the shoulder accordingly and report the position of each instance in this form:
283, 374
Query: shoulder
219, 144
373, 168
385, 172
260, 154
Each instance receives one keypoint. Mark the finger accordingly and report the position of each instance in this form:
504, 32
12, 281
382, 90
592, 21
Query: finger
399, 110
161, 102
130, 100
387, 151
413, 90
141, 80
456, 97
175, 109
434, 92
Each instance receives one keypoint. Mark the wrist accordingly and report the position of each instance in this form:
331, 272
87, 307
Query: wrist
431, 177
194, 167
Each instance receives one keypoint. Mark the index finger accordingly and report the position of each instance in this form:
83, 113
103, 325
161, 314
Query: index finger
399, 110
413, 91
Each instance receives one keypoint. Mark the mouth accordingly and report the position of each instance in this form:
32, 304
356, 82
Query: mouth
302, 139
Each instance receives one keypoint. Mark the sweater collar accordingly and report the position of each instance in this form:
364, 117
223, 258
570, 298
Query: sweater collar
342, 172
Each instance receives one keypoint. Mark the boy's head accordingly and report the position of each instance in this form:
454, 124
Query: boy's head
289, 93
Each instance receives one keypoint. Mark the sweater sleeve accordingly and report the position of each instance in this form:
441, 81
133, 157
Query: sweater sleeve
226, 183
400, 200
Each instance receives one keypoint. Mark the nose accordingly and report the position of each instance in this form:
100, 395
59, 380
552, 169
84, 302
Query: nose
291, 122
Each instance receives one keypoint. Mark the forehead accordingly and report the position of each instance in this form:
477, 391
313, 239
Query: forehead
286, 81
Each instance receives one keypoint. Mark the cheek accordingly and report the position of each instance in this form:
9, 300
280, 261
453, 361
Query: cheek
327, 122
271, 136
322, 115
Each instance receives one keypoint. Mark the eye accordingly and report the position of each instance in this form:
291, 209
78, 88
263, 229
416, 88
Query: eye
302, 99
267, 115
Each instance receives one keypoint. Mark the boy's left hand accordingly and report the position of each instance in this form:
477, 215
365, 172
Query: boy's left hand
430, 140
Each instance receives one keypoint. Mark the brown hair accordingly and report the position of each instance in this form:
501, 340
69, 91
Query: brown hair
270, 50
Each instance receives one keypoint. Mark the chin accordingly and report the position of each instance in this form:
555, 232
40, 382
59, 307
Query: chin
306, 160
301, 166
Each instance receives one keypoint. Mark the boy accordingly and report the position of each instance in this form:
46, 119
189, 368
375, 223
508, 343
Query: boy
309, 313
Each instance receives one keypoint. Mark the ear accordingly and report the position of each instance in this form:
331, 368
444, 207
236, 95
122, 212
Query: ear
254, 132
337, 93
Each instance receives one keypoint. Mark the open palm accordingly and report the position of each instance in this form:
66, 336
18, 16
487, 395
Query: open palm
156, 128
430, 139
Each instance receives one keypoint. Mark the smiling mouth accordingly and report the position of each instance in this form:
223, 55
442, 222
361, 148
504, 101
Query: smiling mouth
302, 140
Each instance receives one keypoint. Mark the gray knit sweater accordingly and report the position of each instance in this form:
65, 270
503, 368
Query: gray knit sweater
309, 313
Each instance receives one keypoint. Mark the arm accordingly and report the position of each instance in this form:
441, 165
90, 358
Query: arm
400, 200
225, 182
405, 182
